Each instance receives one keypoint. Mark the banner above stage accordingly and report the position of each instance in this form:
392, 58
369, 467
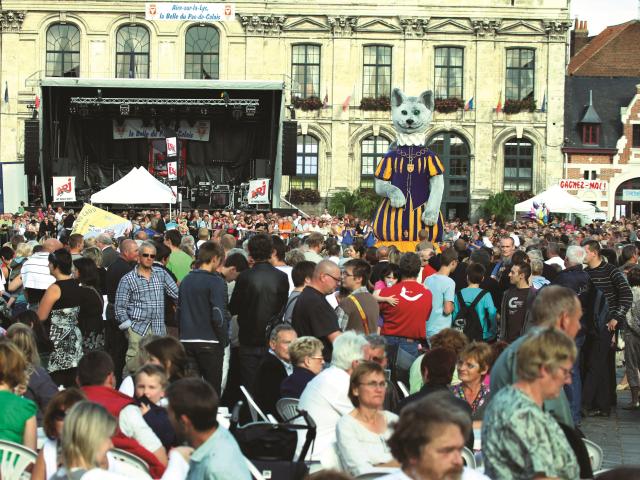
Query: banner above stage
64, 189
190, 11
134, 128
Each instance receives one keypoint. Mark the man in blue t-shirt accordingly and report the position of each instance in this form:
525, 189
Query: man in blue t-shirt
443, 290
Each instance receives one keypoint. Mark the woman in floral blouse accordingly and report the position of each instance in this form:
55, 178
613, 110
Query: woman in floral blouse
473, 366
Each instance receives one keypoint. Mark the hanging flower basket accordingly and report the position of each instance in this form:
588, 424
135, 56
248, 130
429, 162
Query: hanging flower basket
517, 106
380, 104
307, 104
448, 105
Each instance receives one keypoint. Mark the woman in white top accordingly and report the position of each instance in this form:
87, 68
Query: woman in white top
362, 434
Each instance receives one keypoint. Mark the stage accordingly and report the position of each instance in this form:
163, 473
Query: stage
97, 130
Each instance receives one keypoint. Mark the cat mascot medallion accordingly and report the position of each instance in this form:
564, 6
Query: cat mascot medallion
410, 177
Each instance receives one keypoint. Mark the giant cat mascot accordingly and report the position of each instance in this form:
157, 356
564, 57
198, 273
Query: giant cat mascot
409, 177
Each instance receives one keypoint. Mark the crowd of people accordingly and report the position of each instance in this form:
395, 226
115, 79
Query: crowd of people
500, 339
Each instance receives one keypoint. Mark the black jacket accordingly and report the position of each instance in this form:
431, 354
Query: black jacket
576, 279
271, 373
294, 384
202, 307
109, 256
260, 293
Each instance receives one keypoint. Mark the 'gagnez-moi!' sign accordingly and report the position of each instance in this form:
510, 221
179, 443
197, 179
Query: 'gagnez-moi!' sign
579, 184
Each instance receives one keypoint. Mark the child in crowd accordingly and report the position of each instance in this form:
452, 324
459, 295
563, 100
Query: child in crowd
150, 383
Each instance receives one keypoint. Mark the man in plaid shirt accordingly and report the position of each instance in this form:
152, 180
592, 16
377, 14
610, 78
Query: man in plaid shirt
139, 306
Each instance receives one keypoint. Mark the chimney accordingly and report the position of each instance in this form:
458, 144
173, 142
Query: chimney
579, 36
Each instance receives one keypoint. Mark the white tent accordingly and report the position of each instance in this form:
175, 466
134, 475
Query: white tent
136, 187
557, 200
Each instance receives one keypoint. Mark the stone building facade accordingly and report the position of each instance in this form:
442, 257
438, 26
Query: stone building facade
490, 52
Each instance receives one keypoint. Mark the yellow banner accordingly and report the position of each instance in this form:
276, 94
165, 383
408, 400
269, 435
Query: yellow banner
93, 220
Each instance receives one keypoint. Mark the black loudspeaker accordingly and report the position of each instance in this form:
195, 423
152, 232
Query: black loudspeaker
31, 146
289, 147
261, 168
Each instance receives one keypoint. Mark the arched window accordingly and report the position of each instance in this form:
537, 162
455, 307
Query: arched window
518, 164
371, 152
132, 52
202, 53
63, 50
306, 163
453, 152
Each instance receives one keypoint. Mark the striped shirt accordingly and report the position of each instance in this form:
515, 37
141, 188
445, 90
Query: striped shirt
139, 302
615, 288
35, 272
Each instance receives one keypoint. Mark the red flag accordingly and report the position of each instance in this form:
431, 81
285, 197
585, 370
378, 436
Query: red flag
345, 104
37, 102
325, 102
499, 106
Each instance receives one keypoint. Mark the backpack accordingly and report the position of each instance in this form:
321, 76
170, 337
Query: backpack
278, 318
467, 320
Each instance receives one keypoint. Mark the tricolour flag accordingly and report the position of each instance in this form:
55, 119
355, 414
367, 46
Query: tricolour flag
6, 92
37, 102
544, 102
325, 102
345, 104
469, 105
499, 106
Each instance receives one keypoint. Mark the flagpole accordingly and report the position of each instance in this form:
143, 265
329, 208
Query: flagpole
40, 149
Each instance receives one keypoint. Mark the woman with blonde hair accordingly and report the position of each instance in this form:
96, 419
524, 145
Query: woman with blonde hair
39, 387
473, 365
18, 420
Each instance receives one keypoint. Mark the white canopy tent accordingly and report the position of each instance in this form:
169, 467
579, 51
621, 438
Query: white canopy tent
136, 187
557, 200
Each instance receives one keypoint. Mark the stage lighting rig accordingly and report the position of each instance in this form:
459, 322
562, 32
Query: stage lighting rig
125, 109
250, 110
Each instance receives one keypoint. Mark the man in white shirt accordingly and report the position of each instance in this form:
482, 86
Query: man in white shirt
446, 426
326, 398
35, 274
553, 252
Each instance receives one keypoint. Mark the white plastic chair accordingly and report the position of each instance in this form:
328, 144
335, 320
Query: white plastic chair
403, 388
329, 458
130, 460
469, 458
257, 415
15, 460
287, 408
596, 455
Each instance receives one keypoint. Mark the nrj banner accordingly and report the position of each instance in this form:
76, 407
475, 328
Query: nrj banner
64, 189
190, 11
133, 128
259, 191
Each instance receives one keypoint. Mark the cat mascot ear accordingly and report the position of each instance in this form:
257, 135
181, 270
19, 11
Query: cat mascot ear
397, 97
426, 98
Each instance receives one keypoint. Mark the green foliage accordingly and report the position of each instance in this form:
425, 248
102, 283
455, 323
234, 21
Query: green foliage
501, 205
361, 203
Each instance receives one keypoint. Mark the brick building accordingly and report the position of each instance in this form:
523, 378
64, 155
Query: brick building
602, 115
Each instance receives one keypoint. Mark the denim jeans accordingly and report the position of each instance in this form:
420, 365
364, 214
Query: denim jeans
574, 390
408, 345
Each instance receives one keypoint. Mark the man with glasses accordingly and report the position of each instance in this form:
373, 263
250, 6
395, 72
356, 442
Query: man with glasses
312, 314
139, 301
